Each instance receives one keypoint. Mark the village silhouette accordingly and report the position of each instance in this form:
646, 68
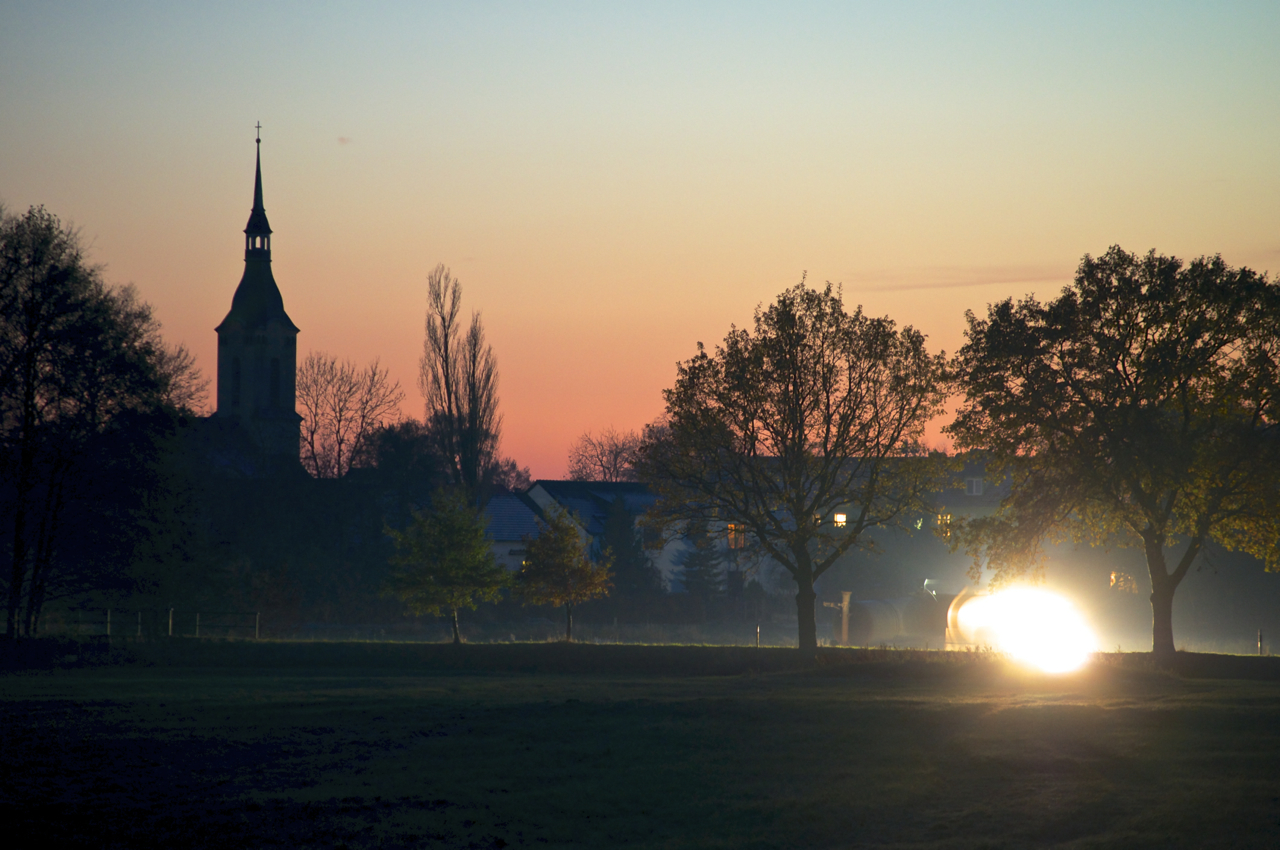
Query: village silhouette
266, 608
283, 504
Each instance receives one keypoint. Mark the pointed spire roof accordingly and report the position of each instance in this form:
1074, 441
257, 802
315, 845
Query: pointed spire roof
258, 225
257, 301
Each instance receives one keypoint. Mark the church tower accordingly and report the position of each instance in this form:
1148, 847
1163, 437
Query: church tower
258, 346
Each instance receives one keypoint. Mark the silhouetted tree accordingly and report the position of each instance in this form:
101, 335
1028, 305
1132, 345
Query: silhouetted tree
558, 570
407, 465
342, 407
186, 388
506, 474
634, 574
444, 562
609, 456
1138, 408
78, 361
458, 377
817, 412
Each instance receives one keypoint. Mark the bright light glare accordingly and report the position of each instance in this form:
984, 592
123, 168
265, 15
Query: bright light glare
1034, 626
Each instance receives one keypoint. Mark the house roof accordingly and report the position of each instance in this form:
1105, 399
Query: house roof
591, 500
510, 516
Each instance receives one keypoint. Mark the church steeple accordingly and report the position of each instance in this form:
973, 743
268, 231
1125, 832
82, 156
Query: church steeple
257, 345
257, 233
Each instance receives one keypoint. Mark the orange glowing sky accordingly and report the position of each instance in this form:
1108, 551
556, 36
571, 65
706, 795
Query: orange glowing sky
614, 182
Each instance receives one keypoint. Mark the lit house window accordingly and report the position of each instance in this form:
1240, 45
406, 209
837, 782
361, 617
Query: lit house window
841, 519
736, 535
944, 523
973, 486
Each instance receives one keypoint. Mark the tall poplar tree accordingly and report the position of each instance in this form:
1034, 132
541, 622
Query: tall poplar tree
458, 377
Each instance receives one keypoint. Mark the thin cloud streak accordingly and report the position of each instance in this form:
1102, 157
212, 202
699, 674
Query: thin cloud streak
955, 278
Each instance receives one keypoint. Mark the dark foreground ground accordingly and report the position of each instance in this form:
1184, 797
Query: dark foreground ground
883, 752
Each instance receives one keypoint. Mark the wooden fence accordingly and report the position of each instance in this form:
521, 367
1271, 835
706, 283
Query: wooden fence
152, 623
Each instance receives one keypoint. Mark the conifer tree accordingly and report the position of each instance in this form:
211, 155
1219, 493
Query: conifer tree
702, 573
634, 574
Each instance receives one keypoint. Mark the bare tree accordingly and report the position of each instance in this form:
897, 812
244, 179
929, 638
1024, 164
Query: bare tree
506, 474
341, 407
607, 457
187, 388
458, 377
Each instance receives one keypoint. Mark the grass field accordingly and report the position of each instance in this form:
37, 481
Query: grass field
873, 754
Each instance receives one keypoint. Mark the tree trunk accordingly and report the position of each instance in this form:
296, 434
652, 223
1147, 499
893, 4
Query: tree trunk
1162, 624
42, 563
18, 567
805, 599
568, 623
25, 484
457, 635
1162, 587
17, 572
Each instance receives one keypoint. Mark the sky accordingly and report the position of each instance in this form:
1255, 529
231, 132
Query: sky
615, 182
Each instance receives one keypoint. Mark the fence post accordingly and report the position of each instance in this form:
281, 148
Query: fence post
197, 624
170, 622
844, 618
1259, 641
108, 622
257, 625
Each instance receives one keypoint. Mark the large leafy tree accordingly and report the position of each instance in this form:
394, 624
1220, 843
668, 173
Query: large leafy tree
818, 412
444, 562
1139, 408
83, 373
558, 569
